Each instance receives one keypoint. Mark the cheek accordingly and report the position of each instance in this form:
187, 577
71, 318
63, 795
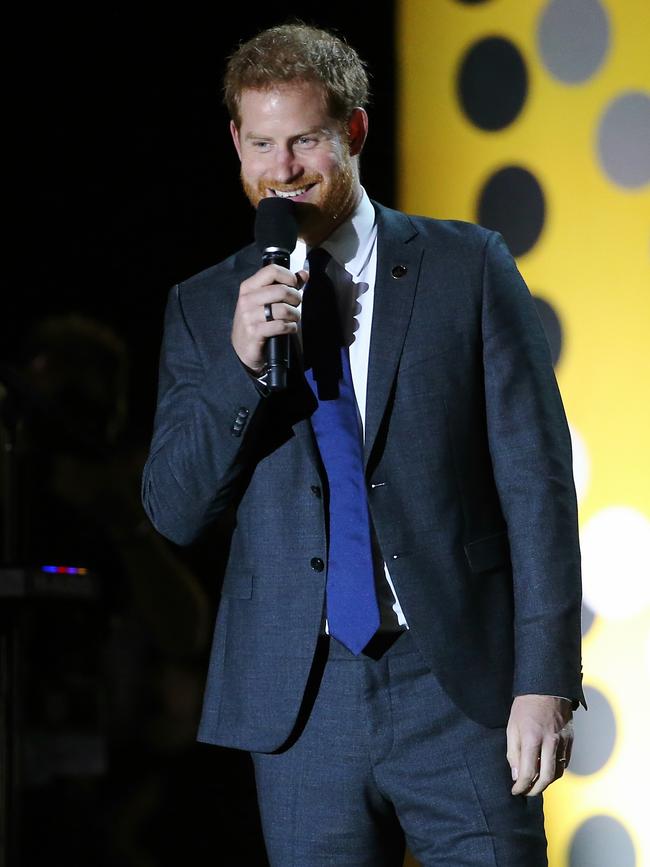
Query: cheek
328, 164
339, 152
250, 167
256, 164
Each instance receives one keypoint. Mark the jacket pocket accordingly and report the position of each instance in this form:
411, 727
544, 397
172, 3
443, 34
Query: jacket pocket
487, 553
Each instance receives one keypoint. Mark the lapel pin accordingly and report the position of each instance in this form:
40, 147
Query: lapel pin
399, 271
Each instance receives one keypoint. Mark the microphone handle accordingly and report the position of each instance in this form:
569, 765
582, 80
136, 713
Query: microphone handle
277, 348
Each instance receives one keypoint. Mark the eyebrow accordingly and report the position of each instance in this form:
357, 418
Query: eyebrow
310, 131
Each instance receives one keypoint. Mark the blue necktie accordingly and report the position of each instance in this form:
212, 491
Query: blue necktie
352, 610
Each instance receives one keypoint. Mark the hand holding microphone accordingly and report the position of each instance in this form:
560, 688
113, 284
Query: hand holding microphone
266, 313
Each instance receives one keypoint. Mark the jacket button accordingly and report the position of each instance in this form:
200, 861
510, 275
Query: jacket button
316, 491
317, 564
399, 271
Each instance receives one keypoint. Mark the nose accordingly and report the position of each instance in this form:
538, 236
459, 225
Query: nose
287, 166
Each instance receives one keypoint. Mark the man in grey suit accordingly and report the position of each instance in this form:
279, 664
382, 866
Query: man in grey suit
444, 722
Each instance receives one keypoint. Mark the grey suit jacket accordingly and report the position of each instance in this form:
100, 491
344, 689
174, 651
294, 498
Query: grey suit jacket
476, 514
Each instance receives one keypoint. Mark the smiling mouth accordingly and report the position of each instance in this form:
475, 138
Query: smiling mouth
291, 194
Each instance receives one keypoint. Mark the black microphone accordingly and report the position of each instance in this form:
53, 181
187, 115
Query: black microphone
276, 233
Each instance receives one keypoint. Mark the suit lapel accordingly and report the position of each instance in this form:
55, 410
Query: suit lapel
399, 257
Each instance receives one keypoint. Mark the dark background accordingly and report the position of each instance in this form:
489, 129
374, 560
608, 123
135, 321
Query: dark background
122, 181
125, 177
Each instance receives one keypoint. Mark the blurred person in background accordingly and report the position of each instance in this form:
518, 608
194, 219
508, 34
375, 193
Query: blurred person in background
109, 687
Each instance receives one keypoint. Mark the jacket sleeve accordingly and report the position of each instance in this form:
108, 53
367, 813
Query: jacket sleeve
201, 424
530, 448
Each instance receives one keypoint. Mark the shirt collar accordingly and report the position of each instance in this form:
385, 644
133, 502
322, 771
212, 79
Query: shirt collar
351, 243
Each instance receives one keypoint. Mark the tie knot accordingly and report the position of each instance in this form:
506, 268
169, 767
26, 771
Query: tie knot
318, 259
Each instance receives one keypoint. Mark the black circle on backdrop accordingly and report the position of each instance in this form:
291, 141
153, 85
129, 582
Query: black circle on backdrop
552, 327
587, 618
595, 734
601, 841
512, 202
492, 83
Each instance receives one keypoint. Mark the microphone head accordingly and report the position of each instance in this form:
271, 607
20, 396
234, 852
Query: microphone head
276, 224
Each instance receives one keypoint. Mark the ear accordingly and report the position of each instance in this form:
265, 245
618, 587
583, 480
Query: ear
234, 132
357, 130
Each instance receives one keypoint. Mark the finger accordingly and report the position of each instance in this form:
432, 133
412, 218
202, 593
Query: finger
270, 294
275, 328
549, 767
302, 277
260, 330
568, 749
528, 767
513, 750
279, 312
252, 325
565, 747
267, 276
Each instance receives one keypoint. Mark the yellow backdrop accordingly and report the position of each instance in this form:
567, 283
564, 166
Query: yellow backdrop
583, 132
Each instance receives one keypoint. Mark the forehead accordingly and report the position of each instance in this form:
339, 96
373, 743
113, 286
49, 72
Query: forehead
301, 104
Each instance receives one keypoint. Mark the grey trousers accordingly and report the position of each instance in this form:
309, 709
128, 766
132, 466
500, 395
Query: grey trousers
381, 755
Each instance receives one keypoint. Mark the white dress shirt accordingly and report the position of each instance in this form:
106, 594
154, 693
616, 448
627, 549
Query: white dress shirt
352, 269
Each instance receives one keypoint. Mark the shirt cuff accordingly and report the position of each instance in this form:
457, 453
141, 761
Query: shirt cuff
260, 380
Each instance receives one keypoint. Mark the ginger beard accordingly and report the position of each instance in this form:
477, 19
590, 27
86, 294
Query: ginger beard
317, 218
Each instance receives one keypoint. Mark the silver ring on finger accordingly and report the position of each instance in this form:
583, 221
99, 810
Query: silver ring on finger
268, 312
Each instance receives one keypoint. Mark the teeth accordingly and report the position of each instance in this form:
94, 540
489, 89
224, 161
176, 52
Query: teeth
291, 194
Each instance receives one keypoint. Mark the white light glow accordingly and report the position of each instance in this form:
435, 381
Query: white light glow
581, 463
616, 562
